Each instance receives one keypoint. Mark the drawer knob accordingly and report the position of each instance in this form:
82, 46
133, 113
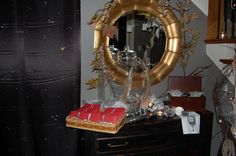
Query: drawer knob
118, 145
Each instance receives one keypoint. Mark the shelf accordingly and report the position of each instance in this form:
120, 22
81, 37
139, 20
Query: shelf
217, 41
226, 61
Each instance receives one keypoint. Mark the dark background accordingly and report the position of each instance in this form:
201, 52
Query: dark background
39, 76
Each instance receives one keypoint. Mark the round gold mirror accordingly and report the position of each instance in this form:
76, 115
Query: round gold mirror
173, 39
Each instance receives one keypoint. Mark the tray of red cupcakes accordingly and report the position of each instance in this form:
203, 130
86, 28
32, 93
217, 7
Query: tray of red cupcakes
93, 117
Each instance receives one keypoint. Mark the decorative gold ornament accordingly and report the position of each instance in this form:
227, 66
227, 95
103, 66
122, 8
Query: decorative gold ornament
93, 83
113, 11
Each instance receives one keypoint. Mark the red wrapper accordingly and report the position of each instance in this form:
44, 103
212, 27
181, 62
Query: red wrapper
111, 118
90, 112
86, 106
109, 110
120, 112
112, 115
74, 113
97, 106
95, 115
89, 106
83, 115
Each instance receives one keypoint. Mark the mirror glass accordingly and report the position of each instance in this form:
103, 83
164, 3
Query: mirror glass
138, 34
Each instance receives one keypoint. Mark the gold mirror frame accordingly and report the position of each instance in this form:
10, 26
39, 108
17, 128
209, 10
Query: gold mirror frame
173, 40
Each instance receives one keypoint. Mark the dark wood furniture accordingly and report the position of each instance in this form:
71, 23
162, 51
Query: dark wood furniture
187, 84
159, 137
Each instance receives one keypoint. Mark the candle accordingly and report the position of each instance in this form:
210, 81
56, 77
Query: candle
222, 35
160, 113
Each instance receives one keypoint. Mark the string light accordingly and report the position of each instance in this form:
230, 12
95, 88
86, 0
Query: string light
44, 36
51, 21
45, 3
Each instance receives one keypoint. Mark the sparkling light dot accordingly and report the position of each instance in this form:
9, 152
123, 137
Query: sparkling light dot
28, 8
8, 128
220, 121
56, 117
62, 48
13, 108
45, 3
24, 139
51, 21
44, 36
70, 28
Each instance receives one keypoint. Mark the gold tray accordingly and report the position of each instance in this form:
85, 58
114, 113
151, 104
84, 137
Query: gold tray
75, 122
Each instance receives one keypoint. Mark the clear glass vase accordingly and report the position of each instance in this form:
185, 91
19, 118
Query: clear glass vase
135, 98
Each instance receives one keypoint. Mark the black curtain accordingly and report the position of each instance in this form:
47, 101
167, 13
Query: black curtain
39, 76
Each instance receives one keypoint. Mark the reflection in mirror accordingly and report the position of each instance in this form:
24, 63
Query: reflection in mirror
139, 35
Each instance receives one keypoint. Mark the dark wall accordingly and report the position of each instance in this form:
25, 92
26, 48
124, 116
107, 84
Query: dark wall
39, 76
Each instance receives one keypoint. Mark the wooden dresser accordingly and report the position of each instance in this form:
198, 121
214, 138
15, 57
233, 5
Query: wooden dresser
159, 137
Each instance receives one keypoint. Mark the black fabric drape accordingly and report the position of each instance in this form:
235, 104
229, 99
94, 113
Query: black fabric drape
39, 76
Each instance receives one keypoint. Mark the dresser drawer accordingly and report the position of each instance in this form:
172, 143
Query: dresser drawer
136, 142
